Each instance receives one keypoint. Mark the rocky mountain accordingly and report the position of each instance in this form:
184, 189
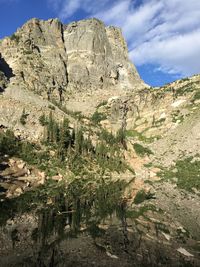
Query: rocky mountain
53, 60
96, 167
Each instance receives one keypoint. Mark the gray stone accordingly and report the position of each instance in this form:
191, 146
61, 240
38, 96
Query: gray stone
52, 59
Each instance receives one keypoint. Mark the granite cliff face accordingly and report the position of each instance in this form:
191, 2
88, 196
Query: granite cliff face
55, 60
98, 57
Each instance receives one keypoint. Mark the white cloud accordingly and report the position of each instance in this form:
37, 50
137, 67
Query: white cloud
70, 8
66, 8
177, 54
160, 32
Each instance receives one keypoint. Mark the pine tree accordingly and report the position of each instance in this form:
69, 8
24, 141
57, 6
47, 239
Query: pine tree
65, 137
50, 128
121, 137
79, 139
73, 138
23, 117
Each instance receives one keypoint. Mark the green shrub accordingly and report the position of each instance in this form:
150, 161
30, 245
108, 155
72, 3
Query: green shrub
196, 96
23, 117
142, 151
142, 196
108, 137
43, 120
97, 117
188, 88
121, 137
9, 144
14, 37
140, 136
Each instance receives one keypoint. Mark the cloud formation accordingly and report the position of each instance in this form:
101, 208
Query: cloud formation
159, 32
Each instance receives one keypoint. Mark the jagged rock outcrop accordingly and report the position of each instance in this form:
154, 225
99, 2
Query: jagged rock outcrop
54, 59
36, 55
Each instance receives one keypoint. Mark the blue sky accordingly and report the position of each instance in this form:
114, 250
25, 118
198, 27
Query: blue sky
163, 35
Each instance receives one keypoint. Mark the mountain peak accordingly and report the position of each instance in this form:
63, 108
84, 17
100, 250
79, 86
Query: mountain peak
47, 57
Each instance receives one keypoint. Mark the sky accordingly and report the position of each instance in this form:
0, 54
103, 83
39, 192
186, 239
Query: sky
163, 36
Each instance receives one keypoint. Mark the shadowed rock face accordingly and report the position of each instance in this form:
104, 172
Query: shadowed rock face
5, 68
5, 73
51, 59
3, 81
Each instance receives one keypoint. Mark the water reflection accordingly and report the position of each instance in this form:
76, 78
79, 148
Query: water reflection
65, 211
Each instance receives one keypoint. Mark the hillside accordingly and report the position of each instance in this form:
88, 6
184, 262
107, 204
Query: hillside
96, 167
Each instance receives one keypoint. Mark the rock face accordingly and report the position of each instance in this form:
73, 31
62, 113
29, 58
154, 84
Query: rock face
36, 55
5, 74
53, 59
98, 56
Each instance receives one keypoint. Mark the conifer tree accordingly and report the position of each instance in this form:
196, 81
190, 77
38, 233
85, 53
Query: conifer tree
79, 139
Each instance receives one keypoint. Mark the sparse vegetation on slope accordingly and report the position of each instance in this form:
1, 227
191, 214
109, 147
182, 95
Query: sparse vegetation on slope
141, 150
23, 117
140, 136
73, 149
97, 117
185, 173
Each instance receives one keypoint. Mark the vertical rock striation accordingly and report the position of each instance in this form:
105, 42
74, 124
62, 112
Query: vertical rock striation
52, 59
98, 57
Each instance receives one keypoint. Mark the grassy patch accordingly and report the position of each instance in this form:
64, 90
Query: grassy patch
141, 150
196, 96
140, 136
97, 117
148, 165
187, 173
184, 90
